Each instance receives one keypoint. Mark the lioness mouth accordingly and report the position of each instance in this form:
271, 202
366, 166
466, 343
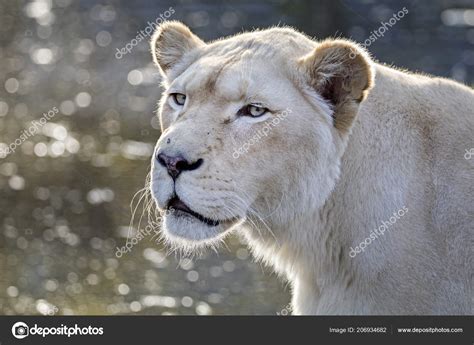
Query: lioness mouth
176, 204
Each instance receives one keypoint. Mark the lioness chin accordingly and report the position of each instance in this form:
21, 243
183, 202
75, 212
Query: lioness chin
355, 143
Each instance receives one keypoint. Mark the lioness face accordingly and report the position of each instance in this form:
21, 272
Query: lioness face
243, 135
223, 144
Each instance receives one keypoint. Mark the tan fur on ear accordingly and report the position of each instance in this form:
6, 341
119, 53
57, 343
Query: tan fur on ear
170, 42
342, 74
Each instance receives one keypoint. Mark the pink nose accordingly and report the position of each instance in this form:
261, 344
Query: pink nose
177, 164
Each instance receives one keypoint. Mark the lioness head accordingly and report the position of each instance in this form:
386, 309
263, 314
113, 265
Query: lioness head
253, 127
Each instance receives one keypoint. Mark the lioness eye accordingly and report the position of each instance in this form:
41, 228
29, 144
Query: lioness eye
179, 98
252, 110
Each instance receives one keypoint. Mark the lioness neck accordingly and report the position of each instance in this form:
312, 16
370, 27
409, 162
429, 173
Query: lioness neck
390, 164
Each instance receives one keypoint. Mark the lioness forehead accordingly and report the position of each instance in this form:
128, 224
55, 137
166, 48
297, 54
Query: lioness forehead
233, 67
229, 78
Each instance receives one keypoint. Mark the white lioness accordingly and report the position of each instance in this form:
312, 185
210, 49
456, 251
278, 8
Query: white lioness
359, 193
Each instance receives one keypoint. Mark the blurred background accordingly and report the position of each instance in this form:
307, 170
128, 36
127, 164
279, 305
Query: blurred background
65, 191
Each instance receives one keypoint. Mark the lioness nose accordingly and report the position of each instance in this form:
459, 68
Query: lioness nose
176, 164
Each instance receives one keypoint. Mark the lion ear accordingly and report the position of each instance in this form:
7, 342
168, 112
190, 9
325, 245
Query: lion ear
171, 41
342, 73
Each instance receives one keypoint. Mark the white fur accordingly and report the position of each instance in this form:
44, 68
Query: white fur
310, 191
